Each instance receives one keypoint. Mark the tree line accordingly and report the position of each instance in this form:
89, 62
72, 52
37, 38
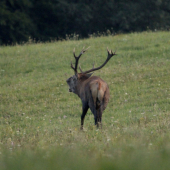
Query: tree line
44, 20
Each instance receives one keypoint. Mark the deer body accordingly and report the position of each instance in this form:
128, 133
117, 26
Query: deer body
93, 92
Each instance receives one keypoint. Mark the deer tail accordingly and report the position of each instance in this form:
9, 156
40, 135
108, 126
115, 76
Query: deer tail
97, 93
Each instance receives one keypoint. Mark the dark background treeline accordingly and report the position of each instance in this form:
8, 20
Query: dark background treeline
52, 19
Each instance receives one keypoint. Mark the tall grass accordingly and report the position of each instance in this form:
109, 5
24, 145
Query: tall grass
40, 119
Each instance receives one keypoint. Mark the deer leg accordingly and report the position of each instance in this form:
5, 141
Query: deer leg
99, 118
94, 111
85, 109
95, 120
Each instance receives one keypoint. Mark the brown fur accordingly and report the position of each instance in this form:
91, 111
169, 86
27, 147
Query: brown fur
94, 94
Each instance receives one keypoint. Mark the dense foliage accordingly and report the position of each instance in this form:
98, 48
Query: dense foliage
54, 19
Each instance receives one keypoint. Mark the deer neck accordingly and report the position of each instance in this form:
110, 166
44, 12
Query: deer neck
80, 85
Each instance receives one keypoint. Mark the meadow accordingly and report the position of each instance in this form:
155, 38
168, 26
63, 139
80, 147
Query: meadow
40, 119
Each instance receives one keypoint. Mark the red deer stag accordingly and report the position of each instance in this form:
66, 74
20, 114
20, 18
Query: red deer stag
93, 91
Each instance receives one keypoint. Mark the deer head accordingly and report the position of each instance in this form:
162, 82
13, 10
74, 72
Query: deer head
72, 81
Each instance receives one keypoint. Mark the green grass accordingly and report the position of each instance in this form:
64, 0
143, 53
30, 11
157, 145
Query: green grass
40, 119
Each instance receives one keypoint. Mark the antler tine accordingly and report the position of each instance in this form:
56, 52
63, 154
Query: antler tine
72, 65
83, 51
77, 58
80, 69
108, 50
74, 53
93, 64
111, 52
115, 52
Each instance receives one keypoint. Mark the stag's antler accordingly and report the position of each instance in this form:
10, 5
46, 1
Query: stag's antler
110, 54
77, 59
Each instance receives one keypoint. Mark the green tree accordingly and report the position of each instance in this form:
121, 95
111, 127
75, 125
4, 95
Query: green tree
15, 22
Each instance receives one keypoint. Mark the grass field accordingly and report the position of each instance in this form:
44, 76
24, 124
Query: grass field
40, 119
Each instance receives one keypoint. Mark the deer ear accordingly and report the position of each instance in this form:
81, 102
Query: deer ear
78, 76
89, 75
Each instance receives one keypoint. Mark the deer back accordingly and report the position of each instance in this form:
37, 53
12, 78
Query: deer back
93, 90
